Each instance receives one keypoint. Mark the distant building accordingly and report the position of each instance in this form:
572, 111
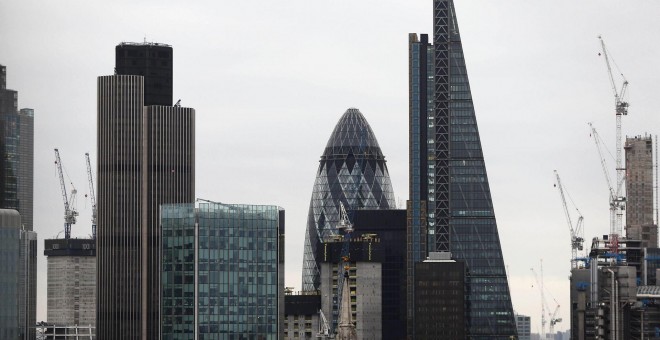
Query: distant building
53, 332
71, 292
18, 277
440, 290
16, 154
301, 316
609, 298
639, 191
364, 284
146, 157
524, 326
222, 271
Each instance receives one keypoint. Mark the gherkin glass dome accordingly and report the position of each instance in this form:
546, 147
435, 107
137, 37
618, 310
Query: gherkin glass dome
352, 171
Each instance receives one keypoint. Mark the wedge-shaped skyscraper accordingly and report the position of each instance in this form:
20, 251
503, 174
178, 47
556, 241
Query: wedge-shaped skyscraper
450, 207
352, 171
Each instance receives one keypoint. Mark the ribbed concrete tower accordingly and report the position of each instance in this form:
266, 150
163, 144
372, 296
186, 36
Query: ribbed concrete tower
146, 157
352, 170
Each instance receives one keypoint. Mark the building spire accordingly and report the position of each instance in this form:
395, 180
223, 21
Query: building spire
346, 327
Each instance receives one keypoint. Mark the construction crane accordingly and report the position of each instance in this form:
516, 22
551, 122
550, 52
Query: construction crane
544, 306
577, 238
344, 265
324, 329
92, 196
617, 198
70, 212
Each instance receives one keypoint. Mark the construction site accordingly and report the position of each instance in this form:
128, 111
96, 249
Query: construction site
71, 312
614, 287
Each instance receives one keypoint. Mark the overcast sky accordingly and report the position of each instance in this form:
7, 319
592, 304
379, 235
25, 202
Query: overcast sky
270, 79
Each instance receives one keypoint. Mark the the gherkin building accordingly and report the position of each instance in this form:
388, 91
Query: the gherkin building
352, 170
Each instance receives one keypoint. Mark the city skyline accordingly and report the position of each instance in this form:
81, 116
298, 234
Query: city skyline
515, 54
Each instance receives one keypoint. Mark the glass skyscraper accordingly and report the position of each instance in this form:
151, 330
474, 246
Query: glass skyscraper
222, 271
352, 171
452, 177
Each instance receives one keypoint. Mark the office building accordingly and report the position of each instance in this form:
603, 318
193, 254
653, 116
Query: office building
146, 157
154, 62
420, 115
610, 299
459, 213
352, 171
17, 148
10, 226
18, 277
301, 316
364, 290
389, 226
222, 271
639, 191
71, 292
524, 326
440, 311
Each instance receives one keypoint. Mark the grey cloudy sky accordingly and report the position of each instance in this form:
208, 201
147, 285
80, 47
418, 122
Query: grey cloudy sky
269, 79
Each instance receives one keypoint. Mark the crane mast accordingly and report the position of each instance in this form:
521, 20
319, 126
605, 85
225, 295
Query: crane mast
92, 195
544, 305
617, 198
70, 212
576, 232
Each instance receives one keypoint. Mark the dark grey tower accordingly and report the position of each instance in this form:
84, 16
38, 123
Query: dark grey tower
460, 219
16, 192
154, 62
464, 218
146, 157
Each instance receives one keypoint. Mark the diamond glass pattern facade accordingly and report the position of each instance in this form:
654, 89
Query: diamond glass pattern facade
352, 170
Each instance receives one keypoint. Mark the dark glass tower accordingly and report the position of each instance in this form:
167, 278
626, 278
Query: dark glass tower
154, 62
459, 209
17, 152
352, 170
421, 89
146, 157
16, 192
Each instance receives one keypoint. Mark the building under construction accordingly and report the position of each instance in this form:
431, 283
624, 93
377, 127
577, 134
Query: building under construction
613, 297
71, 282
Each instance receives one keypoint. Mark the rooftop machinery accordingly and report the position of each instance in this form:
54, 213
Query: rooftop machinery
70, 212
92, 196
577, 233
617, 197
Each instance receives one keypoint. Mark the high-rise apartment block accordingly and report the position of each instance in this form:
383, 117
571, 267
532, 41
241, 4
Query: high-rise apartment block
639, 191
449, 191
222, 271
18, 271
146, 157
